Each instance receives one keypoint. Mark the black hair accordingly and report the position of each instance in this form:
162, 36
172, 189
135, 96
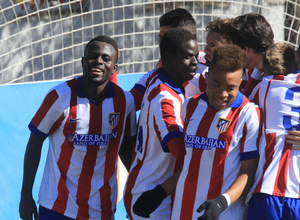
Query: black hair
253, 31
105, 39
178, 17
173, 40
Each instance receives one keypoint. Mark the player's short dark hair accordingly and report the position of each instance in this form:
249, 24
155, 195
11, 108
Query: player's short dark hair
252, 30
279, 59
178, 17
173, 40
105, 39
221, 26
228, 57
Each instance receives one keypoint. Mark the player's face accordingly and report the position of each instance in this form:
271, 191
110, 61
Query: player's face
222, 87
184, 62
99, 62
213, 39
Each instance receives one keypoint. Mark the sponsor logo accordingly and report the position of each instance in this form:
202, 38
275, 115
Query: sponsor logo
192, 141
113, 119
222, 125
91, 139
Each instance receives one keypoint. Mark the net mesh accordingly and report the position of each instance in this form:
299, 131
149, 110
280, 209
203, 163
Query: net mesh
44, 39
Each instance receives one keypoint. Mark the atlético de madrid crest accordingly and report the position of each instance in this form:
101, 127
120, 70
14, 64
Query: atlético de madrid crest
114, 119
222, 125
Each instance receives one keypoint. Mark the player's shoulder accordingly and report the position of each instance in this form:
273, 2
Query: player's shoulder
65, 87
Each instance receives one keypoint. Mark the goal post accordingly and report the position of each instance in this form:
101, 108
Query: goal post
43, 40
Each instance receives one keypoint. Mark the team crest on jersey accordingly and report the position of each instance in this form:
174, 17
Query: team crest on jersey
114, 119
222, 125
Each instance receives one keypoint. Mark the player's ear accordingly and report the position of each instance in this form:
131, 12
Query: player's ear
115, 67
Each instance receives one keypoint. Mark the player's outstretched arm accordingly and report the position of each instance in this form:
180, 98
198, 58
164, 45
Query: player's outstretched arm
27, 207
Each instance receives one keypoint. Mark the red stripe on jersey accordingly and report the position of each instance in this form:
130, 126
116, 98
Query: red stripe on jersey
298, 79
87, 171
157, 131
111, 155
265, 107
242, 145
217, 173
185, 83
190, 184
40, 114
278, 77
168, 115
56, 124
190, 108
67, 148
202, 83
281, 178
269, 152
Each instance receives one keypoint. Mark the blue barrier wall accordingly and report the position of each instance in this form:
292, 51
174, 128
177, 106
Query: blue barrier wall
18, 105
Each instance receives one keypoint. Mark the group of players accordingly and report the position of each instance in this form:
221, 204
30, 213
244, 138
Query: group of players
200, 149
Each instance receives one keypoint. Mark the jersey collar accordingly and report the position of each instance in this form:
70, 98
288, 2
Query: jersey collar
81, 93
166, 80
236, 103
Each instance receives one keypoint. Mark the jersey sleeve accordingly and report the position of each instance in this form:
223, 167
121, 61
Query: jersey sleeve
251, 133
49, 116
167, 119
138, 90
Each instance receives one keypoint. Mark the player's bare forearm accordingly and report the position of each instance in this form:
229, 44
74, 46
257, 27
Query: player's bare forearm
244, 181
170, 185
31, 162
27, 206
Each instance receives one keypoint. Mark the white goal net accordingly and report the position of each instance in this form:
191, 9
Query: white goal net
44, 39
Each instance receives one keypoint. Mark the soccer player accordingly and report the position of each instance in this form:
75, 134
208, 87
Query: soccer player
221, 129
86, 120
253, 33
160, 145
277, 181
217, 35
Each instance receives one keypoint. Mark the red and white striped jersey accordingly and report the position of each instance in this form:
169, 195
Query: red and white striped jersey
79, 179
278, 172
216, 142
159, 122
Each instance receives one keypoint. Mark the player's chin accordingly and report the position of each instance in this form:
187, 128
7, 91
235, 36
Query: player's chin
190, 75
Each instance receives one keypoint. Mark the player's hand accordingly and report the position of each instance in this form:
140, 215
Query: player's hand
213, 208
27, 208
293, 137
149, 201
